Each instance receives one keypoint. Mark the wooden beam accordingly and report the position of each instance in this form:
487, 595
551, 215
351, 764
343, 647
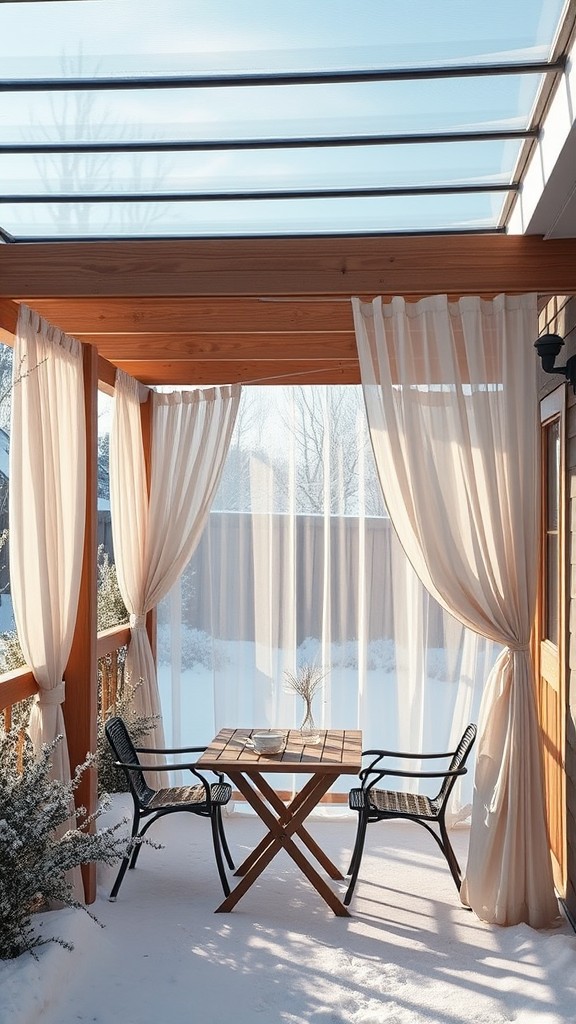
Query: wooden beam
106, 375
396, 264
213, 347
180, 316
8, 321
81, 675
196, 372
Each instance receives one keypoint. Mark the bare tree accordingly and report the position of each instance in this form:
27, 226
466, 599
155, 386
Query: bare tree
332, 449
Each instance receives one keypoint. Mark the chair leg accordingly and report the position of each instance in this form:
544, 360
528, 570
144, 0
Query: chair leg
218, 852
357, 856
450, 856
223, 840
128, 858
355, 850
138, 846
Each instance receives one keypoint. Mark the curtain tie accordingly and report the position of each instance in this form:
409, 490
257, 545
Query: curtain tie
51, 695
137, 622
518, 647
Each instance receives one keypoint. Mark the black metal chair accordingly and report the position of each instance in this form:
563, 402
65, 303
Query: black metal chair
373, 804
202, 798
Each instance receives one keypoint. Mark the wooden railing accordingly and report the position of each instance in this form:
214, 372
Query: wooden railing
109, 647
15, 687
19, 685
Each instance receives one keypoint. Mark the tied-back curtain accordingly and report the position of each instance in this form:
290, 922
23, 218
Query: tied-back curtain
47, 513
451, 402
155, 535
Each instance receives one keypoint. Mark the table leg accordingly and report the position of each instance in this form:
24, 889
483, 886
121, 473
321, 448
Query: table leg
287, 811
280, 831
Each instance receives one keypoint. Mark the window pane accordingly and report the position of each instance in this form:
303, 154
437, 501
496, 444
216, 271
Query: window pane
111, 610
10, 653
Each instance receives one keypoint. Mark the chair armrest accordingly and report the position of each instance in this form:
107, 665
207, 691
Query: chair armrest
379, 775
377, 756
400, 753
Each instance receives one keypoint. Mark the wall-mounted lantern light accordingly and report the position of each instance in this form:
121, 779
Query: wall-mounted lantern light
548, 347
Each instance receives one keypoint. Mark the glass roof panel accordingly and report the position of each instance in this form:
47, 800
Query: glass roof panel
109, 45
104, 37
249, 218
266, 170
502, 101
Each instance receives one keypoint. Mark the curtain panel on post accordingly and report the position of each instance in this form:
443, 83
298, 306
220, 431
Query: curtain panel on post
47, 512
47, 518
154, 535
451, 401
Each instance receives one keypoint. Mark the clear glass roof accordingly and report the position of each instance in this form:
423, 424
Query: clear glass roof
141, 119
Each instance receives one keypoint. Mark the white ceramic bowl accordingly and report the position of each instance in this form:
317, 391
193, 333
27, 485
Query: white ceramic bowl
267, 742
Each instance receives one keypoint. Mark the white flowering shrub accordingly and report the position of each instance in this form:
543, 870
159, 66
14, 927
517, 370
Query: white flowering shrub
34, 856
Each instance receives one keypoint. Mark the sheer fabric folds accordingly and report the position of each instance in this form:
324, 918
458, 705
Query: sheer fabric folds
155, 535
451, 402
298, 564
47, 512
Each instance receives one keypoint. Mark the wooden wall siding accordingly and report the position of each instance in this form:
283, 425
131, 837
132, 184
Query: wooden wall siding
571, 680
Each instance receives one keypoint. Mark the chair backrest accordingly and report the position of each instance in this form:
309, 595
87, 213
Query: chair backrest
119, 739
459, 759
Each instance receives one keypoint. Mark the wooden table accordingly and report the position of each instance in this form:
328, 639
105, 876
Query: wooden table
339, 752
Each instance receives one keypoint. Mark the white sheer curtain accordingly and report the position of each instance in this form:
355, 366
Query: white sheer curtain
155, 535
298, 563
451, 401
47, 512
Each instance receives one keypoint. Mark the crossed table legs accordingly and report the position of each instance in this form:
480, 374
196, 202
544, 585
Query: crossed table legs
283, 822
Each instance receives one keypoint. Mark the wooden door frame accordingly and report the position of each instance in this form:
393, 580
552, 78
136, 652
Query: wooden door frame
554, 406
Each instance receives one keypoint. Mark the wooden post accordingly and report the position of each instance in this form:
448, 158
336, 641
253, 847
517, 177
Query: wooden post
81, 675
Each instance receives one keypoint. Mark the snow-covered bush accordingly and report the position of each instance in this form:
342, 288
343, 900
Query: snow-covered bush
380, 654
35, 853
197, 646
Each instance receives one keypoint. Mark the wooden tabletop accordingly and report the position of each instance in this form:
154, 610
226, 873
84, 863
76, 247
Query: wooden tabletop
339, 752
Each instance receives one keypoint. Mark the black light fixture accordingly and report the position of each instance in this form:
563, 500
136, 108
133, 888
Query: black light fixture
548, 347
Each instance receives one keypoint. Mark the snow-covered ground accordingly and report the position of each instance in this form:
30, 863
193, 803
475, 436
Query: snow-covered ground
409, 954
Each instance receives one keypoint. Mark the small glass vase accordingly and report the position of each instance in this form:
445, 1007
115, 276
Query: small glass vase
308, 730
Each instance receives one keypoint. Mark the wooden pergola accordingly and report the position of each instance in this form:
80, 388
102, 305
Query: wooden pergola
224, 311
